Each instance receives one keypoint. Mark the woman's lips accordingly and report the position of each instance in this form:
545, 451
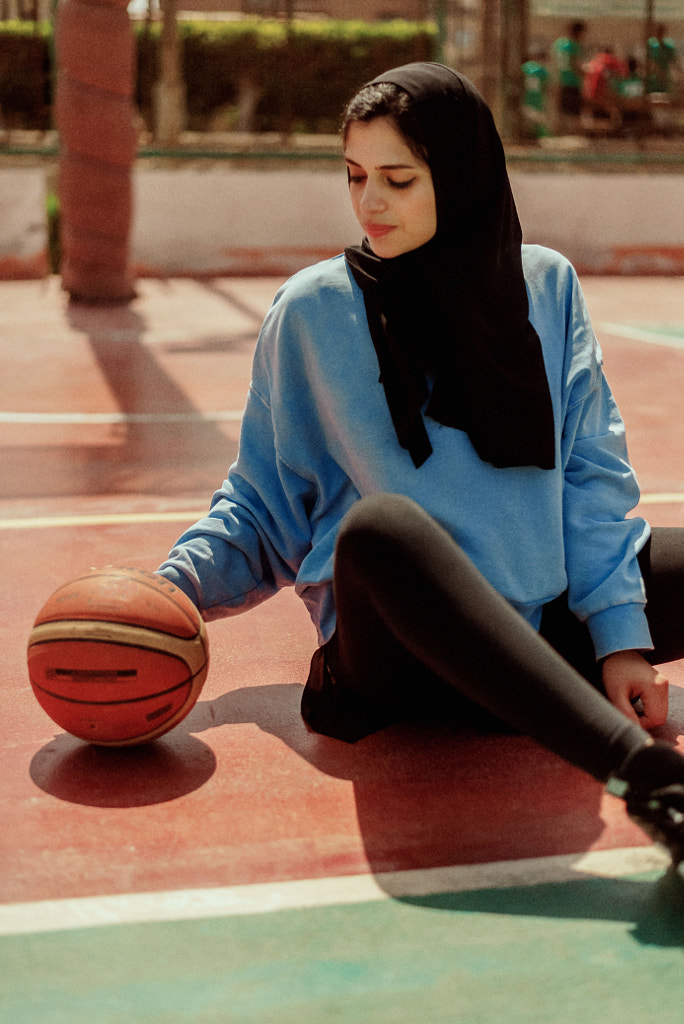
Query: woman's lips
378, 230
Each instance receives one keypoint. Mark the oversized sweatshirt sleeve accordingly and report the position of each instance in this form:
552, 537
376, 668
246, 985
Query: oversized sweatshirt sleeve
257, 532
605, 587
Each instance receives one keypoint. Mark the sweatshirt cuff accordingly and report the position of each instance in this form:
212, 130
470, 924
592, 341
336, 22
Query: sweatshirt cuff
621, 628
180, 580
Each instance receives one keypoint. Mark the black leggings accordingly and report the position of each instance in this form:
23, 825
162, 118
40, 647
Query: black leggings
420, 630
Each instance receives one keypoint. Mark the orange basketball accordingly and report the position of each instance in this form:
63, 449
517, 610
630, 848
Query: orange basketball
118, 656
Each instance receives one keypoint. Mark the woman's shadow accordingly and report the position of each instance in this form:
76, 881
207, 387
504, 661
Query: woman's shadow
421, 788
424, 790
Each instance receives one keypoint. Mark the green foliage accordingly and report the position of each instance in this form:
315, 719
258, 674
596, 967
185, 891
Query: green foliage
304, 73
17, 27
54, 242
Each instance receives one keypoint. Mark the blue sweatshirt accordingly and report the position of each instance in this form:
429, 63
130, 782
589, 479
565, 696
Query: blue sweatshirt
317, 435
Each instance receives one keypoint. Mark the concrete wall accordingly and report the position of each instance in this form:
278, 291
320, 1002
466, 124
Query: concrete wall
23, 223
626, 223
227, 219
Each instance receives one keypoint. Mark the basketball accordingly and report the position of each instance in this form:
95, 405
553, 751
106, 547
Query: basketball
118, 656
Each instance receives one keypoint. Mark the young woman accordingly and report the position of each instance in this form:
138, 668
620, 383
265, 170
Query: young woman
431, 455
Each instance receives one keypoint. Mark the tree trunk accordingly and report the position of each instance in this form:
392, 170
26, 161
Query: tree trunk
169, 92
514, 18
95, 118
489, 50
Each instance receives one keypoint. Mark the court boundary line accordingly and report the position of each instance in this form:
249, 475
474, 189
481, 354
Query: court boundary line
639, 334
106, 519
270, 897
108, 418
191, 516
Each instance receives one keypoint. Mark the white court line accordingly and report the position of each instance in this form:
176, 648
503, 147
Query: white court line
104, 519
638, 334
96, 418
190, 516
664, 498
269, 897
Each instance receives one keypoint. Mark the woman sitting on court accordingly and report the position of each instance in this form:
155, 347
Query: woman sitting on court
431, 455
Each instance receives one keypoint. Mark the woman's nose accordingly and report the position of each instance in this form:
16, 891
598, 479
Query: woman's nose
372, 198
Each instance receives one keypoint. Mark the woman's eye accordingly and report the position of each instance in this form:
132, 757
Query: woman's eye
355, 179
401, 184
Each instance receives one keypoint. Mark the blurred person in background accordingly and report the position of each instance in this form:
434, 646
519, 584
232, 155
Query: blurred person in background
568, 60
536, 81
662, 63
600, 89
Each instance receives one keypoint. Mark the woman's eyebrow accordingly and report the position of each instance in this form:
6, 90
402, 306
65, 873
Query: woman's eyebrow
385, 167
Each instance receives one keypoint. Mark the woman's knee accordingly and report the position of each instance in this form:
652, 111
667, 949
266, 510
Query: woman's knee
381, 518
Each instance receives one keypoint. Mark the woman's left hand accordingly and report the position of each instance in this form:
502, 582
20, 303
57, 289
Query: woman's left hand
628, 678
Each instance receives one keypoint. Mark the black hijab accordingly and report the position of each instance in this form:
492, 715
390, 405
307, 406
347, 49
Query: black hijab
457, 306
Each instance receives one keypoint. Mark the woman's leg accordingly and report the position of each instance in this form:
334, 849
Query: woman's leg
662, 567
407, 596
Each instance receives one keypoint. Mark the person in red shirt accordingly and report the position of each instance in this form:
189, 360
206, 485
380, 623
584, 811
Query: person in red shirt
598, 90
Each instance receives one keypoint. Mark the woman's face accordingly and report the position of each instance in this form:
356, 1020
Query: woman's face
390, 188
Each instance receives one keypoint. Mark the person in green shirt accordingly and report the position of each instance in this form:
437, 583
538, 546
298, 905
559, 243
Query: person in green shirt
568, 53
631, 97
535, 81
661, 62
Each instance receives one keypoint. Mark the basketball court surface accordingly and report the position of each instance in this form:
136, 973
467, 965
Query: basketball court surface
242, 869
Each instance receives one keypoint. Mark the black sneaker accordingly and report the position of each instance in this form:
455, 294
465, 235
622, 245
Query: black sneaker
661, 816
654, 802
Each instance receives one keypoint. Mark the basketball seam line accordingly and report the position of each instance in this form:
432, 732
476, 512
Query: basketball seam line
112, 703
104, 623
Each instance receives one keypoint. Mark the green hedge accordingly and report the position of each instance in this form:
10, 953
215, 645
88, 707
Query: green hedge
305, 75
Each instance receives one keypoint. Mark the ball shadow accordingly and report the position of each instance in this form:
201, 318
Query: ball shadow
138, 776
